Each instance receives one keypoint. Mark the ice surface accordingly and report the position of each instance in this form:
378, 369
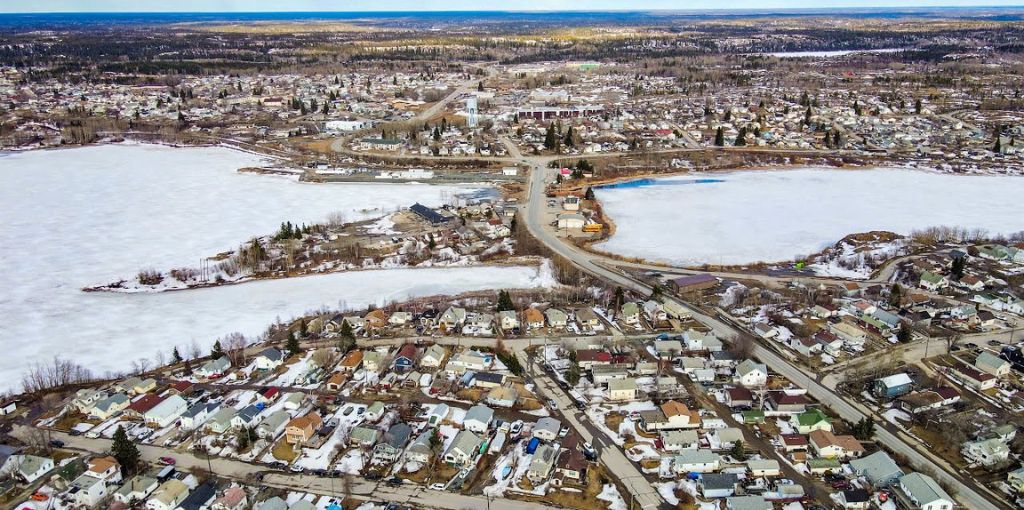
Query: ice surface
78, 217
775, 215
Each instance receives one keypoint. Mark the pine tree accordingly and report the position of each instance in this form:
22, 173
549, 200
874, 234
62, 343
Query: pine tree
917, 107
480, 86
720, 137
217, 351
176, 356
741, 137
550, 138
293, 346
904, 334
125, 451
957, 268
505, 301
828, 139
895, 295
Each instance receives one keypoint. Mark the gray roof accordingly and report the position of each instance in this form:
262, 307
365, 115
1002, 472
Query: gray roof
466, 442
272, 353
479, 413
877, 467
548, 423
923, 488
398, 435
274, 503
748, 503
716, 481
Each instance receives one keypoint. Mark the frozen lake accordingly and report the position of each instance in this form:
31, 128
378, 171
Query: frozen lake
78, 217
776, 215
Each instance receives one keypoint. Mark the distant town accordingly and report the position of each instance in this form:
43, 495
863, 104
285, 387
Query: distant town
513, 261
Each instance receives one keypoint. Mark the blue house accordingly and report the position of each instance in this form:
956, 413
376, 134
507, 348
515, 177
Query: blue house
893, 386
405, 360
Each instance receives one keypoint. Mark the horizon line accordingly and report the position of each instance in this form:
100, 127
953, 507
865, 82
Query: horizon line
536, 11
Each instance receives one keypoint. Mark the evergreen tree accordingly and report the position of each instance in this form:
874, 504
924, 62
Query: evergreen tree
720, 137
895, 295
293, 343
217, 351
904, 334
176, 356
550, 138
957, 268
828, 139
738, 451
589, 195
505, 301
125, 451
741, 137
480, 86
864, 429
917, 107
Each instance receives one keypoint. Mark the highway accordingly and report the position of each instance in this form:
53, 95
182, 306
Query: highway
965, 491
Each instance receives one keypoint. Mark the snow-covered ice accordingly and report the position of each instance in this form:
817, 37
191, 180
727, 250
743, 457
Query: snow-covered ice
776, 215
79, 217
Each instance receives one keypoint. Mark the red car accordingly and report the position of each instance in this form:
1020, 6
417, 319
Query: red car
168, 460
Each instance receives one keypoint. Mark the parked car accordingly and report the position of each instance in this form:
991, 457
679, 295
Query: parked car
372, 476
589, 452
57, 443
347, 411
564, 431
167, 461
552, 404
438, 486
516, 428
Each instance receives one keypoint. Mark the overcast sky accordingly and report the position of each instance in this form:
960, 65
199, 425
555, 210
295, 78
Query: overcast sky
11, 6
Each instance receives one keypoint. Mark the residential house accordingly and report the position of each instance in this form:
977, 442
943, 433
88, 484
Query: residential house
300, 430
214, 368
234, 498
478, 418
764, 467
675, 440
813, 419
748, 503
166, 412
420, 450
788, 403
854, 499
1015, 479
696, 461
622, 390
547, 428
363, 437
140, 407
201, 497
405, 359
878, 468
168, 495
502, 396
136, 489
351, 361
893, 386
508, 320
717, 485
571, 465
433, 356
992, 364
469, 360
400, 319
542, 462
973, 378
393, 443
918, 491
987, 452
464, 449
630, 313
273, 425
587, 319
589, 358
668, 348
556, 318
248, 416
534, 318
376, 319
932, 281
452, 317
487, 379
373, 362
220, 422
751, 374
110, 406
269, 359
828, 445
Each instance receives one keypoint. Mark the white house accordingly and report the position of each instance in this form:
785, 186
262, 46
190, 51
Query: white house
920, 491
547, 428
27, 467
622, 389
166, 412
751, 374
463, 449
986, 452
478, 419
696, 461
269, 359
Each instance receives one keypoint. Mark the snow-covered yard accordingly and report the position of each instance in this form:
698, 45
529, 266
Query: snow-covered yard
743, 217
80, 217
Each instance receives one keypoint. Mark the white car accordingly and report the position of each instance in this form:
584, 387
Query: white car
517, 427
438, 486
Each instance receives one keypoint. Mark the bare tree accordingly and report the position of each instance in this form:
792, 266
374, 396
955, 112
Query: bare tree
194, 351
140, 365
59, 372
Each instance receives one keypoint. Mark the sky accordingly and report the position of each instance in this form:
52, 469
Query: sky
38, 6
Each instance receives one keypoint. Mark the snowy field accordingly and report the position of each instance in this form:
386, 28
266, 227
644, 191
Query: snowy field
777, 215
83, 216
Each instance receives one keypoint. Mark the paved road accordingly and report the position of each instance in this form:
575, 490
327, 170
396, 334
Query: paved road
967, 492
645, 496
361, 488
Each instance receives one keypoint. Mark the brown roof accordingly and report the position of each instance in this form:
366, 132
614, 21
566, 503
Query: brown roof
101, 464
310, 422
352, 359
533, 315
145, 403
674, 408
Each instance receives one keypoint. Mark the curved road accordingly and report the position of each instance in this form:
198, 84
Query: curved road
850, 412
